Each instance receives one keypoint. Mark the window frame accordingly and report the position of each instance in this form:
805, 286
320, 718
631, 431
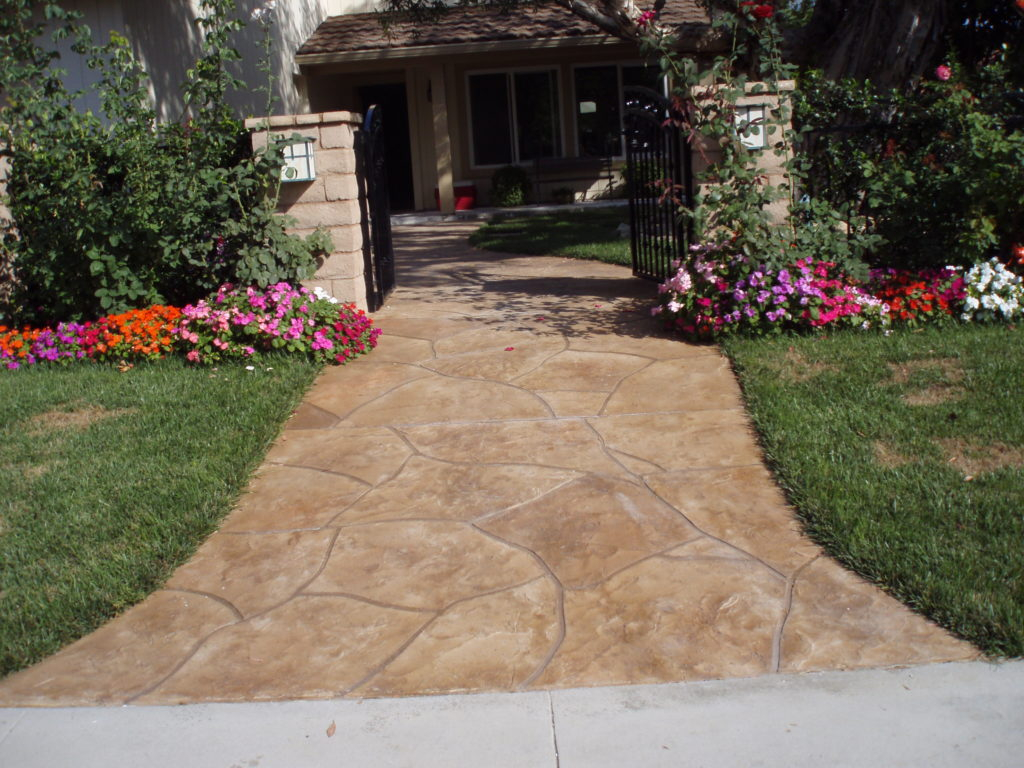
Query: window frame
509, 73
619, 86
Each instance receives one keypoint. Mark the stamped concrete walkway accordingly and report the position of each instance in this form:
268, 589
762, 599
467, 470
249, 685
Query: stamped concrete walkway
521, 488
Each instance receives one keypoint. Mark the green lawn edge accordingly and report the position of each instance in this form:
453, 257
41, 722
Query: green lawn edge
576, 234
862, 432
98, 508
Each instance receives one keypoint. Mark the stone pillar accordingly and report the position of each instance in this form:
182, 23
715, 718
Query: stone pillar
329, 201
768, 162
442, 140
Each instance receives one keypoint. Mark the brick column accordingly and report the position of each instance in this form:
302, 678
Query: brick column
330, 201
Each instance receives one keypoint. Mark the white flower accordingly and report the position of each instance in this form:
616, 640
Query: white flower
250, 368
263, 12
323, 295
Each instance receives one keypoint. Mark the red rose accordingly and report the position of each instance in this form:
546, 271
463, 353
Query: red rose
763, 11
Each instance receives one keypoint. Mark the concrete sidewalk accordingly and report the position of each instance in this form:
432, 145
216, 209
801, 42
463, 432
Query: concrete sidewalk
939, 716
523, 488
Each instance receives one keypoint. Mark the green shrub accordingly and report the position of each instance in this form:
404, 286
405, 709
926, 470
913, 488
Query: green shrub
119, 212
510, 186
936, 175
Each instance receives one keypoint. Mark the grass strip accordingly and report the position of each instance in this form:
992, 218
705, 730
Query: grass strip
576, 234
904, 456
110, 480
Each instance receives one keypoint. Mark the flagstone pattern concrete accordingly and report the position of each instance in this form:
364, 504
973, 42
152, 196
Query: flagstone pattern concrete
523, 487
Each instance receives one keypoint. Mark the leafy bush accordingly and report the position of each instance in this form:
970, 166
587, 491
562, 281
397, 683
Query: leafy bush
937, 175
510, 186
120, 212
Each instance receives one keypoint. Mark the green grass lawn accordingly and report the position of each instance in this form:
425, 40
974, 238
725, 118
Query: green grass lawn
904, 455
577, 234
110, 480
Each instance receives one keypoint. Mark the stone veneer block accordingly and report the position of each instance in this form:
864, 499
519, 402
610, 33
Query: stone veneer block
333, 135
342, 117
259, 140
342, 186
335, 161
346, 239
341, 265
306, 133
296, 192
278, 121
310, 119
350, 291
313, 215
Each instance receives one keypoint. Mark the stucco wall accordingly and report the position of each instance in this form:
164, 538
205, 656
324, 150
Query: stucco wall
166, 40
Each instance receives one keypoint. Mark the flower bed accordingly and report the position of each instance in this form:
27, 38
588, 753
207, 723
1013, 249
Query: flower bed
234, 324
717, 292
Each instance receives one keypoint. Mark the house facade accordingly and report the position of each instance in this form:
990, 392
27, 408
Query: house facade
478, 90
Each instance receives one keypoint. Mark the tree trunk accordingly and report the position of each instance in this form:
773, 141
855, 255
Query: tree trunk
890, 42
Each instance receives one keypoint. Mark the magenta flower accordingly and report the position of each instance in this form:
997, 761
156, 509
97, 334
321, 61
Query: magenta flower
943, 73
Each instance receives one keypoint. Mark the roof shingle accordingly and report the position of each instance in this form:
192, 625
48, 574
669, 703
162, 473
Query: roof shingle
363, 32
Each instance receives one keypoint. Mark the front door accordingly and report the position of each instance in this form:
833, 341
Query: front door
391, 99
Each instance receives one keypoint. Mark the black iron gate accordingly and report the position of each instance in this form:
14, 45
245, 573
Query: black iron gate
660, 179
378, 253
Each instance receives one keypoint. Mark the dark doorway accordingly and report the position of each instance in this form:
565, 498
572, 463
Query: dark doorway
397, 145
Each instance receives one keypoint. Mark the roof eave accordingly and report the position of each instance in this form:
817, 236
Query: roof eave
452, 49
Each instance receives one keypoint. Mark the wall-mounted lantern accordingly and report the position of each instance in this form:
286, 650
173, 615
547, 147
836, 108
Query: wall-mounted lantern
298, 161
750, 124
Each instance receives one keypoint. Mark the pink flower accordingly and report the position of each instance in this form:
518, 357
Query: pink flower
943, 73
645, 18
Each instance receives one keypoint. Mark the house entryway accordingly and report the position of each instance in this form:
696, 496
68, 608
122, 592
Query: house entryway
391, 99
